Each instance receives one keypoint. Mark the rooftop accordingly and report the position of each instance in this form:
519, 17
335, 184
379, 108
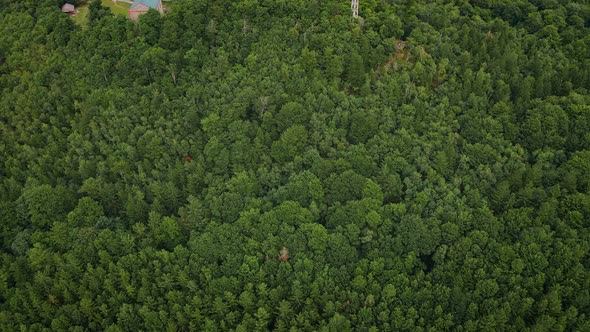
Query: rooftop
66, 8
149, 3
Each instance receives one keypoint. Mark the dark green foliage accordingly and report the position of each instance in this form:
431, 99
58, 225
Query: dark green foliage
277, 165
96, 11
355, 72
149, 27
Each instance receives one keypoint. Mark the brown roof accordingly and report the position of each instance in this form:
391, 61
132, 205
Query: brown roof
68, 8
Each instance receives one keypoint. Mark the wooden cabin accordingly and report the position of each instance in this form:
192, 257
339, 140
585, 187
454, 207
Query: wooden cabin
142, 6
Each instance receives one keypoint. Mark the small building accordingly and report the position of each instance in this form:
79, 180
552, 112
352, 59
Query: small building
142, 6
69, 9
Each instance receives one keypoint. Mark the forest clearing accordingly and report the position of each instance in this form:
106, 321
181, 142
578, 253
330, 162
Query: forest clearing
116, 7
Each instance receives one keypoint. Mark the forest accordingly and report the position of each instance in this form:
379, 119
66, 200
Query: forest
274, 165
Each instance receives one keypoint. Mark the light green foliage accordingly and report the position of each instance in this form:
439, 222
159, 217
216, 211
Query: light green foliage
86, 213
291, 143
42, 205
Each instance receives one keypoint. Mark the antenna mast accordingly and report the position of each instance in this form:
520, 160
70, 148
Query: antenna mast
355, 8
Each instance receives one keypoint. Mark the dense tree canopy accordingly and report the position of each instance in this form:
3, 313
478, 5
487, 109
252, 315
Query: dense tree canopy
277, 165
